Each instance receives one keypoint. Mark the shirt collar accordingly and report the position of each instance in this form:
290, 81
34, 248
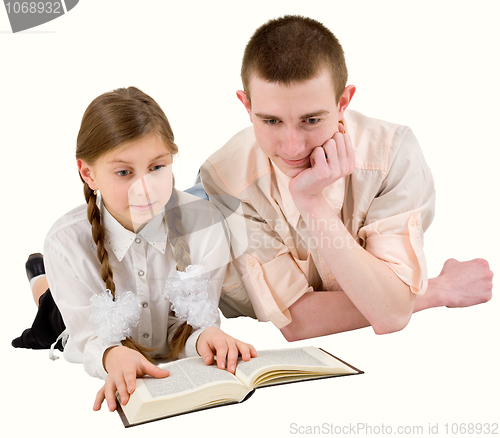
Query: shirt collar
289, 209
119, 239
334, 194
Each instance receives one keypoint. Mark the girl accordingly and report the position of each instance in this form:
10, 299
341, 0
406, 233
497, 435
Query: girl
136, 273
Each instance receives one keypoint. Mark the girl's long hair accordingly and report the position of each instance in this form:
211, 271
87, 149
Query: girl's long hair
110, 120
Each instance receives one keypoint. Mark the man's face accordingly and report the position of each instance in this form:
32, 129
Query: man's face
291, 120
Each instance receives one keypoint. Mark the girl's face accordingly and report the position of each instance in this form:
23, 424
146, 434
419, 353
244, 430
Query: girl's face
135, 180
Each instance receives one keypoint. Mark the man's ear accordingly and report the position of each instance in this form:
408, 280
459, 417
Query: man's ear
86, 174
242, 96
344, 100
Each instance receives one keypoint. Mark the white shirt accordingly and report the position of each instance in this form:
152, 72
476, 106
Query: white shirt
141, 262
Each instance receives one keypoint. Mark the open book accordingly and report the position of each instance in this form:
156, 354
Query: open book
193, 386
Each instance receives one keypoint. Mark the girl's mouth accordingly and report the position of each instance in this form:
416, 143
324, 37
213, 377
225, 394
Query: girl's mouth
143, 207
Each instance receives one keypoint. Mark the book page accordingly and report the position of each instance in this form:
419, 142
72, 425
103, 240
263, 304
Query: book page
185, 375
307, 360
276, 357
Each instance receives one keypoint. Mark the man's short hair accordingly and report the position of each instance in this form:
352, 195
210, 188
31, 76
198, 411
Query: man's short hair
293, 49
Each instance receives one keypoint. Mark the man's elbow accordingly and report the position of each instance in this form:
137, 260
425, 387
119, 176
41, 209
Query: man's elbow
391, 324
395, 318
291, 333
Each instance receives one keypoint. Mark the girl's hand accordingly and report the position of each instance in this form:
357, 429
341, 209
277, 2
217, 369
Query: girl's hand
123, 365
214, 342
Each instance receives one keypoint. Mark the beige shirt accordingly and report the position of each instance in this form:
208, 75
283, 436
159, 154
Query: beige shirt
386, 205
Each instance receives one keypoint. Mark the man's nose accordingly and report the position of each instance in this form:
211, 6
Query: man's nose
293, 144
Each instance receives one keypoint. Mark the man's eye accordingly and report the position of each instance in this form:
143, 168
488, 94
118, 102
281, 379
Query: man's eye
123, 172
271, 121
312, 120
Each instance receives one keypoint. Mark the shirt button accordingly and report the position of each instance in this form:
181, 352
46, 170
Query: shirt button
137, 240
145, 335
251, 263
141, 273
144, 305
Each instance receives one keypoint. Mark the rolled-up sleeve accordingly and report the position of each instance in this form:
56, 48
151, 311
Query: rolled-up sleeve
400, 213
274, 286
271, 275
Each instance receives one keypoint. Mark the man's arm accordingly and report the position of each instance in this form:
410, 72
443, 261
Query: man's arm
460, 284
369, 283
322, 313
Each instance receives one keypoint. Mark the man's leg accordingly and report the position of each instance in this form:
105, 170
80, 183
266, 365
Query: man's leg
197, 189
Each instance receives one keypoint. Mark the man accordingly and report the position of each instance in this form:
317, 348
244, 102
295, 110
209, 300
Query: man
334, 203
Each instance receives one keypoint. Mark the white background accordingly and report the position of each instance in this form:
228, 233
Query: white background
433, 65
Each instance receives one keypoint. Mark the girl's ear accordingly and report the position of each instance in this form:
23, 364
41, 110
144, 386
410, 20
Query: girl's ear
86, 174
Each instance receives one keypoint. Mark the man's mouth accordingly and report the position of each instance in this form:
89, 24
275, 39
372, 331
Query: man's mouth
295, 163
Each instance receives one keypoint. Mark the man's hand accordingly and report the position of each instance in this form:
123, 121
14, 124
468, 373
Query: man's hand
214, 342
123, 365
329, 163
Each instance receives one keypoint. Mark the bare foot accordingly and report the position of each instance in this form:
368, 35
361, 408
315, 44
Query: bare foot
463, 284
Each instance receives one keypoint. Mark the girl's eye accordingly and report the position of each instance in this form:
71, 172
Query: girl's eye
123, 172
156, 168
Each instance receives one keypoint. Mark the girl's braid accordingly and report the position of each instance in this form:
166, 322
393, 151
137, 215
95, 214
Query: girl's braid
182, 257
94, 217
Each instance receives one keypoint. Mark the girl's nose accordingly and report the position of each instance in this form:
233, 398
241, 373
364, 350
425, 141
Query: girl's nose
139, 188
144, 187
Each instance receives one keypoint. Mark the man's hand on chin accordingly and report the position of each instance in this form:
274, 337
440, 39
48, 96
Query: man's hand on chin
329, 163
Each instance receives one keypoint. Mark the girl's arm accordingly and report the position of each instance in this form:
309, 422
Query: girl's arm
72, 287
116, 364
